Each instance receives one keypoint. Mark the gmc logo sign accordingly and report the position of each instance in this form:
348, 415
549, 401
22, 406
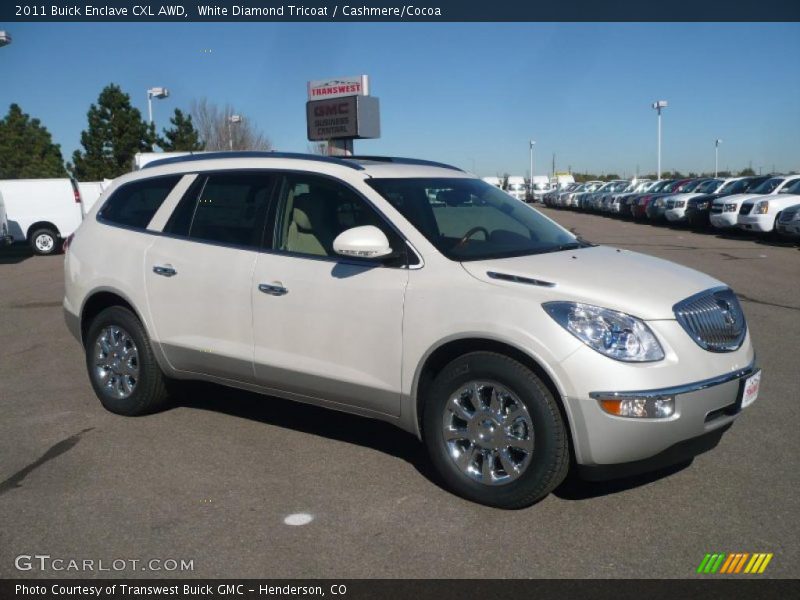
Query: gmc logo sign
332, 110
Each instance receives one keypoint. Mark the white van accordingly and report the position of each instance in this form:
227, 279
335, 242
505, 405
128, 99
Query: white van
495, 181
540, 185
42, 212
90, 191
5, 235
515, 186
142, 159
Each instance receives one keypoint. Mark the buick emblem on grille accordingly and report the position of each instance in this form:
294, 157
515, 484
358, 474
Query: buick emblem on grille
728, 313
713, 319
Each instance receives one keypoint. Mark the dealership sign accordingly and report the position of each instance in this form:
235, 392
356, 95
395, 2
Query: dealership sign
349, 117
338, 87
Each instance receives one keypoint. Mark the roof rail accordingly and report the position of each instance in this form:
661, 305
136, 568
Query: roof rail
403, 161
252, 154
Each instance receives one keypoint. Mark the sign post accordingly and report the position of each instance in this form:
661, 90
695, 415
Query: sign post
340, 110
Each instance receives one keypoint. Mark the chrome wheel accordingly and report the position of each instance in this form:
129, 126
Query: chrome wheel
488, 432
44, 243
116, 362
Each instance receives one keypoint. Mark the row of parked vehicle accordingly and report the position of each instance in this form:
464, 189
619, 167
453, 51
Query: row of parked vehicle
761, 204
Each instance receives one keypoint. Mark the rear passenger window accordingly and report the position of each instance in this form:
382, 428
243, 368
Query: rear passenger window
226, 208
134, 204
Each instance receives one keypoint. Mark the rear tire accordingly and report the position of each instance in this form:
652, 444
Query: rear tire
121, 365
476, 460
45, 241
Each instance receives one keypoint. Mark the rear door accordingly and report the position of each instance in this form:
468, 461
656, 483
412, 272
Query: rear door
328, 327
199, 274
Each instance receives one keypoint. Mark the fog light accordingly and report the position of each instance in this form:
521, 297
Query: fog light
643, 408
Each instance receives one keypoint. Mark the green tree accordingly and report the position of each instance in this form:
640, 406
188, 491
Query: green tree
27, 150
182, 136
115, 134
748, 172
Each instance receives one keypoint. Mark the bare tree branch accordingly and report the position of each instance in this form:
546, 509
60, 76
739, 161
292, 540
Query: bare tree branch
219, 133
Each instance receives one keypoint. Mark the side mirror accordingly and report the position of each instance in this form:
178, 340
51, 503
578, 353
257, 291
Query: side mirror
366, 241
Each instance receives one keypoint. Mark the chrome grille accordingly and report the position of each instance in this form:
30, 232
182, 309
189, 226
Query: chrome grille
746, 208
716, 208
713, 319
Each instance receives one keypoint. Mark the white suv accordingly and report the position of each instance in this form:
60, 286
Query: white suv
413, 293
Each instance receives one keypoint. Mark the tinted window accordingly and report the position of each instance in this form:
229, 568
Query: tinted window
470, 220
226, 208
135, 203
768, 186
314, 210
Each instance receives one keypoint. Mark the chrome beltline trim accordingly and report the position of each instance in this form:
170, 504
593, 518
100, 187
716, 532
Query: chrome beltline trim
679, 389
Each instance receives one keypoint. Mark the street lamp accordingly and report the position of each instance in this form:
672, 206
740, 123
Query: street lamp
231, 120
531, 145
658, 105
157, 92
716, 156
5, 39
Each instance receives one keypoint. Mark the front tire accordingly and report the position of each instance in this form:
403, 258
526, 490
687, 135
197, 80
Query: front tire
45, 241
121, 365
494, 432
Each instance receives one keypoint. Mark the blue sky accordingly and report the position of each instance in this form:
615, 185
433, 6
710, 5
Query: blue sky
469, 94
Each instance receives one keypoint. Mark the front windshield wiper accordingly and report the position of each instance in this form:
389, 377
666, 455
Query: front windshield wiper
579, 243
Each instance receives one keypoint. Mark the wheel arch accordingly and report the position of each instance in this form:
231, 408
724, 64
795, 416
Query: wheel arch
439, 356
41, 225
98, 301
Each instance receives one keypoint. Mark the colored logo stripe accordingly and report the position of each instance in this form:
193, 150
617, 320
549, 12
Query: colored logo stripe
735, 562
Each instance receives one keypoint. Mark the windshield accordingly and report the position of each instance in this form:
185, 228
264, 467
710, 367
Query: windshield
472, 220
709, 186
733, 187
792, 188
688, 186
768, 186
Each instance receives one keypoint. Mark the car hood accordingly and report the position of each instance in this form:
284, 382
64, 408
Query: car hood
634, 283
738, 198
777, 200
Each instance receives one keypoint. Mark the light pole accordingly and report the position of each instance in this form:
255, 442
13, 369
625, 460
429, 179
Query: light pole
5, 39
658, 105
157, 92
531, 145
716, 156
231, 120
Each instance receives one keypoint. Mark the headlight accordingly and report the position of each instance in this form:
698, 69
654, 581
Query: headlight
679, 204
702, 205
730, 208
614, 334
762, 208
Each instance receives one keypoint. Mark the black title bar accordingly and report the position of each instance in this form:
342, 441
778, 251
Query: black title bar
401, 10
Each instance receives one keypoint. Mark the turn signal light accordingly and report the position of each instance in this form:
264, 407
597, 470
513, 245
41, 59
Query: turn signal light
643, 408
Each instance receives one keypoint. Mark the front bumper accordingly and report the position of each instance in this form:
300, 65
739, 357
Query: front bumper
701, 407
6, 240
760, 223
675, 215
789, 227
724, 220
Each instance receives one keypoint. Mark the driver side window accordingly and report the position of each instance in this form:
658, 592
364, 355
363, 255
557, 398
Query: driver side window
314, 210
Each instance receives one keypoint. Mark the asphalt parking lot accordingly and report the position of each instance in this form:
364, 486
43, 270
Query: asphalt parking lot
213, 479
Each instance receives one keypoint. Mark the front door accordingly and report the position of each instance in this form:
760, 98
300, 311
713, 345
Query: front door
328, 327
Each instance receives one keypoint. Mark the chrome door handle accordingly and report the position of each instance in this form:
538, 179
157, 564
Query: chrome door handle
275, 289
165, 270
